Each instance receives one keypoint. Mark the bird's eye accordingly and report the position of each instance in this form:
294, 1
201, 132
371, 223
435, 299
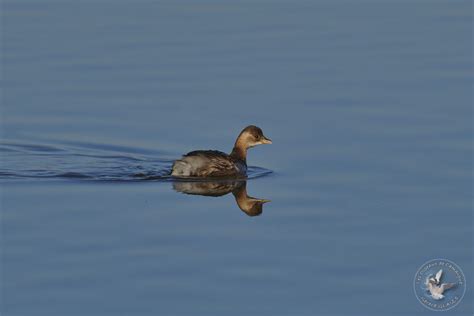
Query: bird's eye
257, 137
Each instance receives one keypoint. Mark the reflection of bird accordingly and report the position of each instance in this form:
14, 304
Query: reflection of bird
212, 163
249, 205
435, 286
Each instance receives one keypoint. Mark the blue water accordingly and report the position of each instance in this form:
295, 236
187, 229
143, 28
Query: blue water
92, 162
369, 107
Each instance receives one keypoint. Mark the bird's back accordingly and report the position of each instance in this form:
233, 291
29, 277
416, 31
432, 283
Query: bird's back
208, 163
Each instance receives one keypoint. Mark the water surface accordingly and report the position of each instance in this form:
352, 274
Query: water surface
369, 107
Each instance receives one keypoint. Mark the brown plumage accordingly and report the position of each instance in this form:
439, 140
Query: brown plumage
216, 164
250, 205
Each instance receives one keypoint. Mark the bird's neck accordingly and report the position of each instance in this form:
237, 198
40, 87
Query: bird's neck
239, 151
240, 192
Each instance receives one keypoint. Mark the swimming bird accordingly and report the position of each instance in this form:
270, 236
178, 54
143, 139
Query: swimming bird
437, 288
216, 164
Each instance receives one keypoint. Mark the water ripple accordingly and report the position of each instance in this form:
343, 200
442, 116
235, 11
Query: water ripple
94, 162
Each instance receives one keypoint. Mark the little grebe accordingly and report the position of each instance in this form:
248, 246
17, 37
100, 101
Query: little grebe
216, 164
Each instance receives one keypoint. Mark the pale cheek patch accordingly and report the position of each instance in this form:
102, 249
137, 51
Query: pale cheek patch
253, 144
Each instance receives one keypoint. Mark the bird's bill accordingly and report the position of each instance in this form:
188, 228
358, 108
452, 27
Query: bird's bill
266, 140
257, 200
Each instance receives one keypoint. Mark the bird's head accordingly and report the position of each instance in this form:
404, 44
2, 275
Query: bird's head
252, 136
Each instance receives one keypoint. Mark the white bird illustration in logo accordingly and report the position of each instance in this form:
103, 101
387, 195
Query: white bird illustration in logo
435, 286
